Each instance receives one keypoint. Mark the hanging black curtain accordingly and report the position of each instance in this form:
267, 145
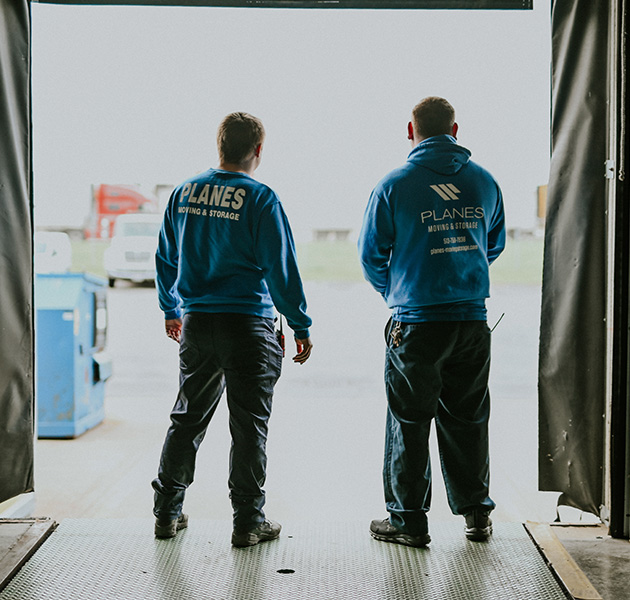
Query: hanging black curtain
16, 276
572, 370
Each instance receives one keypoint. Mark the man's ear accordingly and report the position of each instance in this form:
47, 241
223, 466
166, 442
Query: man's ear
455, 130
258, 150
410, 130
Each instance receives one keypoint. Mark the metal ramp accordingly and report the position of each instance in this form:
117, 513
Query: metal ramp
119, 559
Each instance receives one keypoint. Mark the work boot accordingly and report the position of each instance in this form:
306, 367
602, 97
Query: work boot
168, 528
478, 526
263, 532
386, 532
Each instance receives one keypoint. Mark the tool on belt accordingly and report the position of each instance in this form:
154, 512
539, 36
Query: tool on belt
395, 333
280, 337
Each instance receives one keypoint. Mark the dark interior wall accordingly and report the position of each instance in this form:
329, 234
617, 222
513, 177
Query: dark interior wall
16, 276
572, 370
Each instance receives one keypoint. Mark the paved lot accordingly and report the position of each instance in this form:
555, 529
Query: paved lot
326, 433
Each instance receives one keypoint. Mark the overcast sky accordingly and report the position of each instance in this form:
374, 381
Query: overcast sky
135, 94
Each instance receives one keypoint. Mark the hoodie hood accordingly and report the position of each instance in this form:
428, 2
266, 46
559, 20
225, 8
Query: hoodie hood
440, 154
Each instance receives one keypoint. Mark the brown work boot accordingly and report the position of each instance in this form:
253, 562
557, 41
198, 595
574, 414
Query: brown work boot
263, 532
384, 531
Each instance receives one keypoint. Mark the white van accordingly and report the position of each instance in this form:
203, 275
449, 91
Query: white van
131, 253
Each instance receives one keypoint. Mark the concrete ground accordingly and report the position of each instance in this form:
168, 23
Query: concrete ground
602, 559
326, 432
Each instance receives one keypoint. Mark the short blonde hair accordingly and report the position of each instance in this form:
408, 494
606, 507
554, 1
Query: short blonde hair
238, 135
433, 116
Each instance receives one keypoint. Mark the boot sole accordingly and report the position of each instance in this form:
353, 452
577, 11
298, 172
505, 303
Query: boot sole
477, 534
251, 539
405, 540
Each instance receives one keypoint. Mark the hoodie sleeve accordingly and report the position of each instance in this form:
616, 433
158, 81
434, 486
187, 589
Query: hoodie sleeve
166, 260
375, 242
275, 253
496, 230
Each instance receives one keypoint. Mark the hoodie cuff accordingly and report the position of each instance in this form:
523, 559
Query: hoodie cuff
176, 313
301, 334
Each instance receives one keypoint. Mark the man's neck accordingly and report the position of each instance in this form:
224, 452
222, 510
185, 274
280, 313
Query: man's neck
247, 169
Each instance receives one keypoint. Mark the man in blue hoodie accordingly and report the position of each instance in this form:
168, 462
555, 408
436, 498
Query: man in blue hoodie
225, 258
431, 229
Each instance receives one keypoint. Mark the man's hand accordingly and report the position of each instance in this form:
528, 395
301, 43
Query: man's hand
173, 328
304, 348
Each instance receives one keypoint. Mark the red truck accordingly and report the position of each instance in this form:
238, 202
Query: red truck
109, 201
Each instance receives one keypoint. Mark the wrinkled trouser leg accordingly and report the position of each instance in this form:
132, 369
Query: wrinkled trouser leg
251, 377
201, 384
216, 349
417, 374
462, 421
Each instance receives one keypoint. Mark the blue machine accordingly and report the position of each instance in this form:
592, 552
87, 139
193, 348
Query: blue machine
71, 362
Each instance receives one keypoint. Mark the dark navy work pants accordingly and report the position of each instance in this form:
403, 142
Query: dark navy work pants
438, 371
241, 354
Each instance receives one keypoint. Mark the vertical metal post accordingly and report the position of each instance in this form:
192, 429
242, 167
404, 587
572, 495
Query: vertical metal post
611, 249
610, 174
622, 112
617, 456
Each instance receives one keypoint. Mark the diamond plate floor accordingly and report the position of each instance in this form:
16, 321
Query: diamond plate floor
120, 559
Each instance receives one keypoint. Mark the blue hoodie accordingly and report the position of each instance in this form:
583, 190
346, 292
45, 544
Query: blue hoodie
226, 247
430, 231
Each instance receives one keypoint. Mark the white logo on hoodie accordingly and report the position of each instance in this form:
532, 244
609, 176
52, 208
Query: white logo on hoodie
446, 191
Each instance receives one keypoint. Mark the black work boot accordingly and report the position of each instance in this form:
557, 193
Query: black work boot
478, 526
168, 528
